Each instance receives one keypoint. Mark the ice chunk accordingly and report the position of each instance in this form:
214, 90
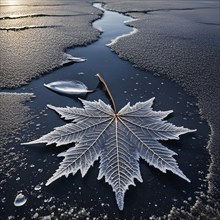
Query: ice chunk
20, 200
68, 59
68, 87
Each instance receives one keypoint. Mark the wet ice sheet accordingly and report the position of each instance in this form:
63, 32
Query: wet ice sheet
126, 84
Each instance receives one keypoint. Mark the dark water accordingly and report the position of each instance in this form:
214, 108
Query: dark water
88, 197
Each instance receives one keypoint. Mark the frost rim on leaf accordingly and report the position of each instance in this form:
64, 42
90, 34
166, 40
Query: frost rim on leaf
118, 139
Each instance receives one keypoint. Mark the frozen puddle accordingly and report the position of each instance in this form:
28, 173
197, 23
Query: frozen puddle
159, 192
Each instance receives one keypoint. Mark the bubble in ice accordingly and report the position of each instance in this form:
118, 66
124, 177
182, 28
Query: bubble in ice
37, 187
35, 215
20, 200
80, 73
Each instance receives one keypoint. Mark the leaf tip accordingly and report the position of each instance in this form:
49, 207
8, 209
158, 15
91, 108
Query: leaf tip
120, 200
185, 131
83, 101
47, 183
152, 99
121, 208
189, 130
30, 143
187, 179
182, 175
46, 85
52, 179
62, 154
50, 106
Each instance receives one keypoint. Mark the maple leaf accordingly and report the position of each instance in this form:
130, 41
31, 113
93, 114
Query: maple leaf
119, 139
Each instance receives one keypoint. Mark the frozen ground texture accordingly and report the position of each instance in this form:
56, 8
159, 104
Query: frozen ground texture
14, 115
182, 40
44, 30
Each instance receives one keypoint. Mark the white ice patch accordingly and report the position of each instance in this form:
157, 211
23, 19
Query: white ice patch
68, 58
134, 31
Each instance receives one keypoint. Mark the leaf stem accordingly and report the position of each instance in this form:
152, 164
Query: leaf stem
108, 91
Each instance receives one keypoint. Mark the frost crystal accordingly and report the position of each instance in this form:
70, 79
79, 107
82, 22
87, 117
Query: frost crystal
118, 139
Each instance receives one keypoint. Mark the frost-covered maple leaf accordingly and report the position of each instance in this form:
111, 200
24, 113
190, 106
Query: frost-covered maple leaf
119, 139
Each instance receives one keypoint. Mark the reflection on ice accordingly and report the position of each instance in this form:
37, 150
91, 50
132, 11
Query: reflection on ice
68, 87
